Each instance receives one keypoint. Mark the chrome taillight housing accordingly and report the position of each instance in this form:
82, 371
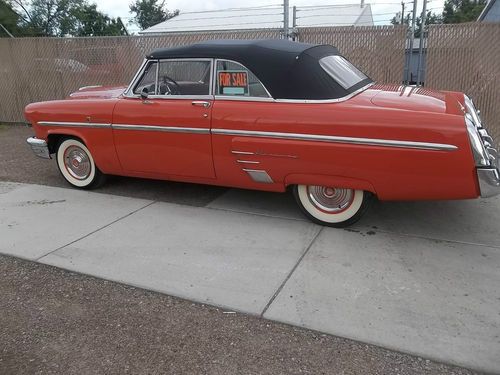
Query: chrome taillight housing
483, 146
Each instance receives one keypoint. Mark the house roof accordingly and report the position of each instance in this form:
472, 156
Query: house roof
486, 9
264, 18
289, 70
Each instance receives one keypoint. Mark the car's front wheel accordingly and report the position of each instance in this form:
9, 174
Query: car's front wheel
76, 164
330, 206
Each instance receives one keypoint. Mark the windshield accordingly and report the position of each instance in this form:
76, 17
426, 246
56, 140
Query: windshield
342, 71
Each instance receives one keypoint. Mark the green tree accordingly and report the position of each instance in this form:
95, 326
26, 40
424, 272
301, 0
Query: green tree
430, 19
148, 13
458, 11
9, 19
91, 22
65, 17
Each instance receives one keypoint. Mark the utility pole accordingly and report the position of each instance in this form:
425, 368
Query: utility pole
402, 12
412, 37
421, 46
294, 22
123, 25
286, 15
7, 31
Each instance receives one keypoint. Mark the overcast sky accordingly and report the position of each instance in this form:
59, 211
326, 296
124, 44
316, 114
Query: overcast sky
380, 8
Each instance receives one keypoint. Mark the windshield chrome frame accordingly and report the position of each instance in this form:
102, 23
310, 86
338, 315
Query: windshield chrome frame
129, 93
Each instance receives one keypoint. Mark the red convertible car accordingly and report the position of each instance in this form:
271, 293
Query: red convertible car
272, 115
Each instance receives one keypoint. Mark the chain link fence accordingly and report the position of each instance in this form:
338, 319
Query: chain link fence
461, 57
466, 57
38, 69
379, 51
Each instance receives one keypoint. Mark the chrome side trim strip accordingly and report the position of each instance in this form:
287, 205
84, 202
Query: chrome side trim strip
259, 176
337, 139
242, 152
89, 87
74, 124
320, 101
248, 161
278, 155
174, 97
244, 98
168, 129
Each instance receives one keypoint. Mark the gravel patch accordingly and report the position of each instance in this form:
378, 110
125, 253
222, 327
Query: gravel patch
58, 322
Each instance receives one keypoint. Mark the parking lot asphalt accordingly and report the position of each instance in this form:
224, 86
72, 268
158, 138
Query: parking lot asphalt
416, 277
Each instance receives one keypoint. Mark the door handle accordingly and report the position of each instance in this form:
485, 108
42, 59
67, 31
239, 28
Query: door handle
201, 104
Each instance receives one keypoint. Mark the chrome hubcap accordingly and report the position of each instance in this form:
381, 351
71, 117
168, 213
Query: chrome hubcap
329, 199
77, 162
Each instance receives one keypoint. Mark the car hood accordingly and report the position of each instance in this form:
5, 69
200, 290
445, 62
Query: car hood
98, 92
412, 98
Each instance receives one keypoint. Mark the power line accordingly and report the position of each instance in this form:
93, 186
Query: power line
280, 22
279, 6
309, 8
365, 23
343, 15
224, 17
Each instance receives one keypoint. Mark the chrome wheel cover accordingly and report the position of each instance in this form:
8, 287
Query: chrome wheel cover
330, 200
77, 162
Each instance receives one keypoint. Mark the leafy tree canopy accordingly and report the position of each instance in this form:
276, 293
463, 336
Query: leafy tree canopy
430, 19
455, 11
148, 13
8, 18
64, 18
458, 11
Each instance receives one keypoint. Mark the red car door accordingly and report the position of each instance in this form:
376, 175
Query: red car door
167, 132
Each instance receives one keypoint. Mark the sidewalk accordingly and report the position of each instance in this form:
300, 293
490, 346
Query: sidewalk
423, 279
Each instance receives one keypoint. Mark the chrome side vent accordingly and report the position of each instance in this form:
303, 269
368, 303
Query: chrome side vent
260, 176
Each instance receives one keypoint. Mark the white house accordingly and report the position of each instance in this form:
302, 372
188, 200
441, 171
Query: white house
265, 18
491, 12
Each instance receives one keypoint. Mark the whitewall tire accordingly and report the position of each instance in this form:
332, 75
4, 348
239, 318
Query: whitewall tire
76, 164
330, 206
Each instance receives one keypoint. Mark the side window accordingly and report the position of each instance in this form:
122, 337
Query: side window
233, 79
148, 80
190, 77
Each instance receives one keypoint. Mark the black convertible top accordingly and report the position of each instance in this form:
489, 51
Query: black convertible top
289, 70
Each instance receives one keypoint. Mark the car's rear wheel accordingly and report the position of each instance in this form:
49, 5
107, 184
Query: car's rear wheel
330, 206
76, 164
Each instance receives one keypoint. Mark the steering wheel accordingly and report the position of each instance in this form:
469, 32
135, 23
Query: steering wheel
171, 86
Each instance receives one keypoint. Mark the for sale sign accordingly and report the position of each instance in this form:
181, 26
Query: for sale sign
233, 82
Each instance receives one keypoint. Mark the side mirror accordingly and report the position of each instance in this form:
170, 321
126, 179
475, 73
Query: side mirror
144, 93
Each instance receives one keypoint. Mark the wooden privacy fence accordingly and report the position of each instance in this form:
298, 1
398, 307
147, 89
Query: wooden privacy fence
37, 69
466, 57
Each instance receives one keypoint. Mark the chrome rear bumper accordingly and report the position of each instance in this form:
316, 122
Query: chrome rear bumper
489, 174
489, 181
40, 147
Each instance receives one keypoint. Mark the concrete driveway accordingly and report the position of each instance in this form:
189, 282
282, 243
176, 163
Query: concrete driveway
422, 278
